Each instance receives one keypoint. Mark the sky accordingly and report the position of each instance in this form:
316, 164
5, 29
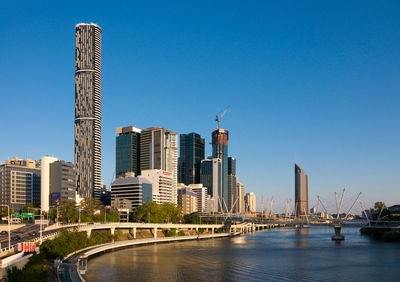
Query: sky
312, 82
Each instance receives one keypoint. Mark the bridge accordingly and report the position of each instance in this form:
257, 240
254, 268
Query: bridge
155, 227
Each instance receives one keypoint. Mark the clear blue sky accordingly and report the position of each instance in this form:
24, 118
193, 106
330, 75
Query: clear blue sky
311, 81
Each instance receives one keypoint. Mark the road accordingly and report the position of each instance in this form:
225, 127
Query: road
24, 233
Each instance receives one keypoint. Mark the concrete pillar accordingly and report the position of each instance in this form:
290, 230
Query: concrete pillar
212, 230
155, 232
112, 230
134, 232
89, 231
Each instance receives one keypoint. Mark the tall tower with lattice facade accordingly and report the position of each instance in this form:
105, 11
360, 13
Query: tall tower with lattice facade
88, 108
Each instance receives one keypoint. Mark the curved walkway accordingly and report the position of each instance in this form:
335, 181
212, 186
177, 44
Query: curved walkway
68, 270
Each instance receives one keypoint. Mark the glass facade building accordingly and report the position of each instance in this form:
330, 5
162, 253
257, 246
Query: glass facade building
191, 154
211, 177
301, 191
127, 151
220, 150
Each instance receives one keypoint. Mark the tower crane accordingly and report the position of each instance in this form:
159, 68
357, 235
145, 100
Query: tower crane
218, 118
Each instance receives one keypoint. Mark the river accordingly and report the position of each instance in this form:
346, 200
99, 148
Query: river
285, 254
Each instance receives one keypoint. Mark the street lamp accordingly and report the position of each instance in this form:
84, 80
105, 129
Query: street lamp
9, 228
41, 220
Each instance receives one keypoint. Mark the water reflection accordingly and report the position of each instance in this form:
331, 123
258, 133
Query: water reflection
280, 254
302, 237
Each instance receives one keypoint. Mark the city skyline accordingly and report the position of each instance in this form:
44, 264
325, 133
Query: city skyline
340, 133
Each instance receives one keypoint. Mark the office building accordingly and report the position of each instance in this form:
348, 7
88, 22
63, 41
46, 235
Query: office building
220, 150
191, 154
161, 185
232, 180
211, 177
240, 196
88, 108
301, 191
212, 204
45, 182
127, 150
130, 192
19, 183
159, 151
187, 200
62, 182
201, 193
250, 202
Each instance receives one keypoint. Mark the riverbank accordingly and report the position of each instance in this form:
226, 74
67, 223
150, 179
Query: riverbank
75, 264
388, 234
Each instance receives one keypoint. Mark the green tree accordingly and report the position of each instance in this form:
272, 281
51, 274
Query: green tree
67, 212
192, 218
157, 213
31, 208
90, 206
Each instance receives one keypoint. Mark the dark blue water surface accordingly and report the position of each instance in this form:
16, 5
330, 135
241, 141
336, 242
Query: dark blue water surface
285, 254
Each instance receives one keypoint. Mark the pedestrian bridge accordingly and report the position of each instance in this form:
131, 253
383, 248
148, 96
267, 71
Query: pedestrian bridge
154, 227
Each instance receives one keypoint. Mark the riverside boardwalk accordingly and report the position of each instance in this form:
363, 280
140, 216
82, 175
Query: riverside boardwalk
74, 265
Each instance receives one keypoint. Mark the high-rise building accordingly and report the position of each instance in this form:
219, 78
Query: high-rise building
211, 177
62, 181
301, 191
159, 150
161, 185
45, 182
88, 108
187, 200
190, 156
136, 190
220, 150
201, 193
127, 150
240, 196
19, 183
231, 166
232, 180
250, 202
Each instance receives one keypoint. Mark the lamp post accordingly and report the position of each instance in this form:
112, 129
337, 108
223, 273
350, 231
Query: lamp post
41, 220
9, 228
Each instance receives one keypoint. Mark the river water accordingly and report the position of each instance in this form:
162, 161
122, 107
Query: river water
285, 254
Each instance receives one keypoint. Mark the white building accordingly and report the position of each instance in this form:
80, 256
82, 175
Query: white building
212, 204
240, 196
250, 200
161, 185
45, 182
201, 193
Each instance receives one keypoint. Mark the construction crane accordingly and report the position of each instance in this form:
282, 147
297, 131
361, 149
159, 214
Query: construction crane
218, 118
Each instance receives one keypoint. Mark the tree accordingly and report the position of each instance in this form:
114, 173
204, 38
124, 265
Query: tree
192, 218
90, 205
67, 212
30, 208
379, 206
157, 213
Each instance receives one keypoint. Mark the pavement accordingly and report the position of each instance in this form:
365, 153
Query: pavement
23, 232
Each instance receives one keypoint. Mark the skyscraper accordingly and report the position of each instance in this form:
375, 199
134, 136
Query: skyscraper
45, 163
159, 150
127, 150
240, 208
232, 180
250, 202
211, 177
301, 191
220, 150
88, 108
190, 155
